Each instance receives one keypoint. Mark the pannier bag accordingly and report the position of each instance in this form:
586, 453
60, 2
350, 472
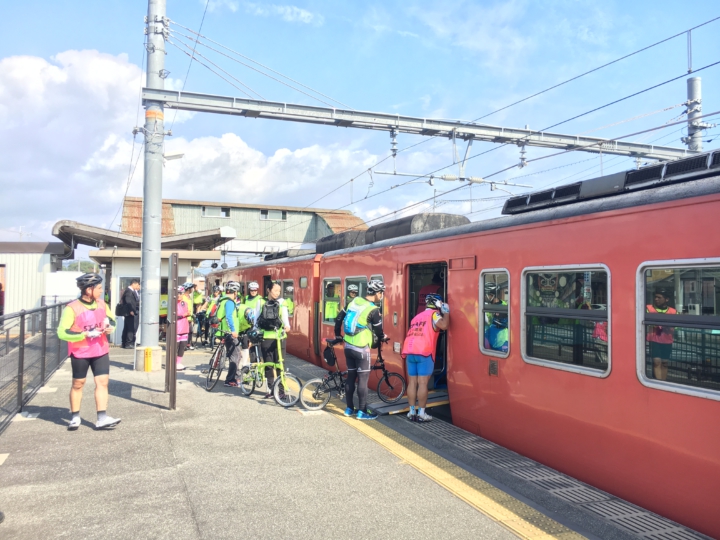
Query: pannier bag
329, 356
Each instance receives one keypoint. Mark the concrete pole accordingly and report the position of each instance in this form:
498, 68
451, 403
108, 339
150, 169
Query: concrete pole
694, 94
152, 187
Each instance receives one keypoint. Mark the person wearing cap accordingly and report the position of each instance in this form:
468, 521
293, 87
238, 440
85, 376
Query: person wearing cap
359, 322
352, 294
419, 352
85, 324
661, 338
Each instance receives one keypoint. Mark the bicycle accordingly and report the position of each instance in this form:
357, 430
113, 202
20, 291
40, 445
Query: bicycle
316, 393
217, 365
285, 389
391, 386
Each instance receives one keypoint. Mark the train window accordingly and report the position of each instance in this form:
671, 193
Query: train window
332, 296
289, 295
494, 302
354, 287
565, 319
303, 282
679, 316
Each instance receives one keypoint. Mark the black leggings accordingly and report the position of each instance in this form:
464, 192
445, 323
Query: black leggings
181, 348
100, 365
269, 352
358, 364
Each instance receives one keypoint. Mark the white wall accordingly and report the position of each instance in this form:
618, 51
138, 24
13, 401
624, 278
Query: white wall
24, 279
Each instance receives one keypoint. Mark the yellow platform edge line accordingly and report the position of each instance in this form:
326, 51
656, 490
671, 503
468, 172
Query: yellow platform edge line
521, 519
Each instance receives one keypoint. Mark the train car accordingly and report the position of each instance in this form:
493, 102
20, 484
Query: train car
584, 333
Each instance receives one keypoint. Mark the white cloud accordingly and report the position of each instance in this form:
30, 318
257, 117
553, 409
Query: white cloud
286, 13
217, 5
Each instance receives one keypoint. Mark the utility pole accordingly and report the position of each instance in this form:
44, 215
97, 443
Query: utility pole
157, 32
694, 105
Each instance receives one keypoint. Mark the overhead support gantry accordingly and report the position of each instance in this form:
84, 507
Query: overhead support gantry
468, 131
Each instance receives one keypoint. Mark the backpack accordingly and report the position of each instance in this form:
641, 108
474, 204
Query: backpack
269, 318
212, 317
351, 325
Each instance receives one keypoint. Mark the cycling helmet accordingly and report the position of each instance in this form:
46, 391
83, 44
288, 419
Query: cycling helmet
490, 287
250, 316
433, 301
88, 280
232, 286
375, 286
181, 288
353, 288
289, 289
216, 288
188, 285
253, 286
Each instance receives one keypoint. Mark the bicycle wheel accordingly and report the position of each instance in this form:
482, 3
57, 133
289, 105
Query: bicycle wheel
391, 387
247, 381
287, 394
314, 395
217, 365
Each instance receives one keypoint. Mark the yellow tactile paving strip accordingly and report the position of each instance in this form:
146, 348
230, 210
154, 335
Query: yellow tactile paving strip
521, 519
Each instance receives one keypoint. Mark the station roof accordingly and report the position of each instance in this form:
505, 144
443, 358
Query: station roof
51, 248
106, 256
73, 233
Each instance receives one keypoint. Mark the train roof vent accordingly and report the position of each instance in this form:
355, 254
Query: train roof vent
645, 176
419, 223
684, 166
515, 204
288, 253
542, 199
566, 193
341, 240
715, 161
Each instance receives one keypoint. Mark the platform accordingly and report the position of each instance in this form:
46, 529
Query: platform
227, 466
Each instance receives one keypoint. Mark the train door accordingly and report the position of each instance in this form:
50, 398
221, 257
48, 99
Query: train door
424, 279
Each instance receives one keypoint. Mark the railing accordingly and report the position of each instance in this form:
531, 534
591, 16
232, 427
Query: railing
30, 352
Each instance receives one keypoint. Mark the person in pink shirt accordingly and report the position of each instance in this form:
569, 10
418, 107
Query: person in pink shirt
183, 315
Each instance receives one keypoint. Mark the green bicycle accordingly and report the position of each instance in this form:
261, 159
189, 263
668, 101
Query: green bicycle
285, 389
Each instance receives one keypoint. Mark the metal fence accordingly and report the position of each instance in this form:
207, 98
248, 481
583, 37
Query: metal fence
30, 352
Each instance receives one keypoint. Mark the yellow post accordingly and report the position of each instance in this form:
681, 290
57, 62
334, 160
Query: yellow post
148, 359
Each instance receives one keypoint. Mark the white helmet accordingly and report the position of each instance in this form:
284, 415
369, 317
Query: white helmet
232, 286
253, 286
353, 288
289, 288
375, 286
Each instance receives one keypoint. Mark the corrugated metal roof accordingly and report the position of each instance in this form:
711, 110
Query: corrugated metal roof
339, 222
132, 217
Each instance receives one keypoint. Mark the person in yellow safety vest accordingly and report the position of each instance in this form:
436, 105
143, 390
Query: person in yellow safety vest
361, 319
289, 299
332, 307
253, 300
189, 287
85, 324
235, 320
208, 307
281, 328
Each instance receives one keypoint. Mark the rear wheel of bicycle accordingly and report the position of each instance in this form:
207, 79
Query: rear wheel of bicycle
287, 394
391, 387
314, 395
217, 365
246, 381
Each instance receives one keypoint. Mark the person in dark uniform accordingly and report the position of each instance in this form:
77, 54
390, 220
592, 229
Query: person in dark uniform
131, 300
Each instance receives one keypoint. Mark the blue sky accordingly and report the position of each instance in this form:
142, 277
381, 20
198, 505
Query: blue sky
69, 79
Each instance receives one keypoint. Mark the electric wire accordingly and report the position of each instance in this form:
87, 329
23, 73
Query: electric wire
187, 74
263, 66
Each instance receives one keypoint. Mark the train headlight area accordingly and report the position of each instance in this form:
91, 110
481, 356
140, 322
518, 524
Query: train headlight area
584, 335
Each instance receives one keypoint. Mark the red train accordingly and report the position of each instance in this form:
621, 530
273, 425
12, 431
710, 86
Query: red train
585, 325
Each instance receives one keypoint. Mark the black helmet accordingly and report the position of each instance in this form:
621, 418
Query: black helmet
433, 301
375, 286
88, 280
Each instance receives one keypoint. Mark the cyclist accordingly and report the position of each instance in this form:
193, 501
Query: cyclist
253, 300
198, 300
183, 314
352, 291
496, 324
289, 299
361, 319
84, 324
234, 320
419, 351
273, 317
209, 308
189, 286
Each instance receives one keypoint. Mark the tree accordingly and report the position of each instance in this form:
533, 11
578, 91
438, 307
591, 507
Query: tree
79, 266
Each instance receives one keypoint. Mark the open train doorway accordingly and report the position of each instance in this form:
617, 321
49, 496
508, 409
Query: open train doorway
424, 279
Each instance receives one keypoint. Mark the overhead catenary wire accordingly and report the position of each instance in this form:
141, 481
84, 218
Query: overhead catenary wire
187, 73
259, 64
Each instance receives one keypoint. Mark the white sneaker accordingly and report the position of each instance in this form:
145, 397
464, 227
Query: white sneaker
74, 424
180, 367
423, 417
412, 416
108, 422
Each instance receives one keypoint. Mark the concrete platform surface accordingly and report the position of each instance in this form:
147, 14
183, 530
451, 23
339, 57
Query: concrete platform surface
220, 466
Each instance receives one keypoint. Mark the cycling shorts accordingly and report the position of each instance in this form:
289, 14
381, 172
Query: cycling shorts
419, 366
100, 365
357, 359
